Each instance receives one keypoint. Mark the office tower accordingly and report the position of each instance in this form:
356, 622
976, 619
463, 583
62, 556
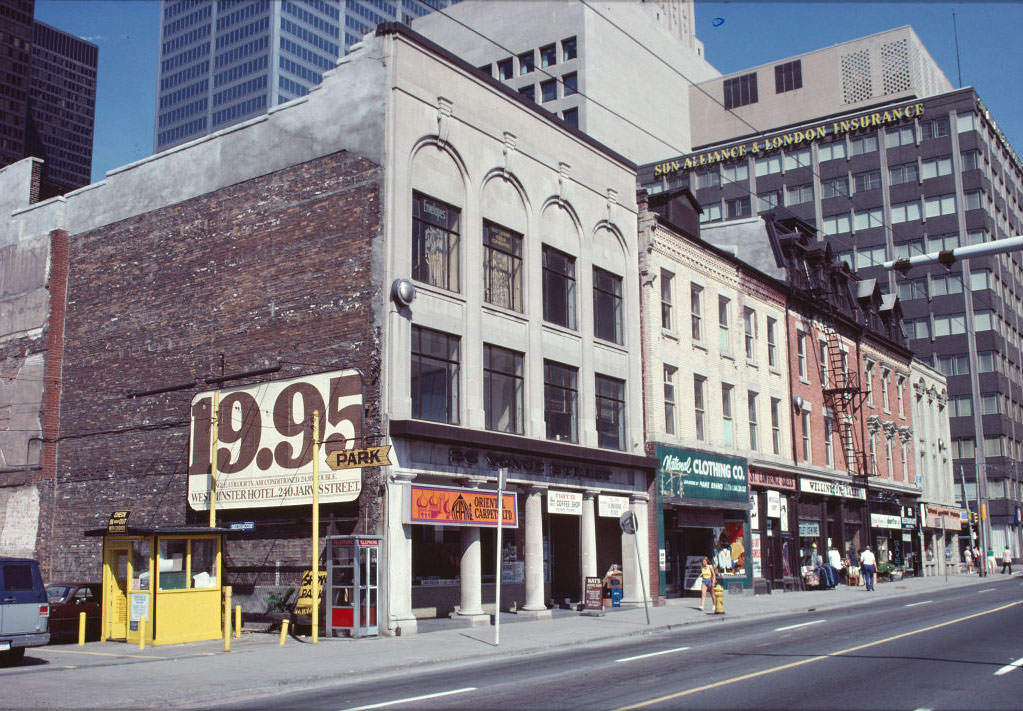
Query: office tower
225, 61
47, 98
870, 142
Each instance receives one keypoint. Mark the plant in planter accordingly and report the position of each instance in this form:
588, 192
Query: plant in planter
885, 572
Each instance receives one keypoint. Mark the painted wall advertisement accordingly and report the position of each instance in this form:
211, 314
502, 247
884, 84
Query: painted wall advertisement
687, 475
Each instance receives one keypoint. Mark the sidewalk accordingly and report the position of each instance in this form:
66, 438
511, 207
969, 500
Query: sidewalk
105, 674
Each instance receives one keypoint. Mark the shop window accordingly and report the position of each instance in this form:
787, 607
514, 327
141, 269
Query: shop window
558, 287
435, 242
435, 375
502, 389
669, 399
699, 406
561, 401
667, 282
607, 306
610, 412
502, 267
730, 555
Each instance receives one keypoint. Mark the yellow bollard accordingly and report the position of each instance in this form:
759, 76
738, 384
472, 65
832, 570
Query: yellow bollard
81, 629
284, 631
227, 618
237, 621
142, 633
719, 600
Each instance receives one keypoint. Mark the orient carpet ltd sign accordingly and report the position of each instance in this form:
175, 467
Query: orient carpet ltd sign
264, 442
685, 474
443, 506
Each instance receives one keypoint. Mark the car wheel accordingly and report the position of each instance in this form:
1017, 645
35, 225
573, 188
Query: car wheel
12, 657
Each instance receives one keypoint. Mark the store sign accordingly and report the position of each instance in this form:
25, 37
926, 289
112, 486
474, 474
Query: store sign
832, 488
118, 522
774, 480
773, 503
809, 529
885, 521
754, 511
944, 517
565, 502
799, 137
688, 475
783, 513
754, 545
264, 442
612, 506
443, 506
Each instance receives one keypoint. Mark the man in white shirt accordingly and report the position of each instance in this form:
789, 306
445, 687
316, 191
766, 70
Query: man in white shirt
868, 563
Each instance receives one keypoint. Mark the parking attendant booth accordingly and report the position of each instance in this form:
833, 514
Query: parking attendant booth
166, 581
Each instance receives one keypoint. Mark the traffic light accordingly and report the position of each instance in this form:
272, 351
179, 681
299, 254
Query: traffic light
973, 517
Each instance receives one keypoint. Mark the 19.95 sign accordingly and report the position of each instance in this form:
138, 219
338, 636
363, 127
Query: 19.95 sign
264, 441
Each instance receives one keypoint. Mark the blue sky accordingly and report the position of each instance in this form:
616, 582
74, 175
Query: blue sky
735, 35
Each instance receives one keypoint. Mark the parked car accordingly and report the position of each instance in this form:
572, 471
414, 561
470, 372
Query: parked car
67, 602
24, 612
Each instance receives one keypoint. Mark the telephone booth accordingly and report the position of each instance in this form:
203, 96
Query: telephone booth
353, 585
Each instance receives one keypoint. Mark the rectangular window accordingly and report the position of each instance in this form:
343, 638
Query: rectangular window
735, 173
936, 167
607, 306
710, 178
935, 128
502, 266
937, 243
560, 401
749, 327
801, 353
699, 385
740, 91
960, 406
776, 425
946, 284
768, 200
435, 375
737, 208
696, 311
976, 236
669, 399
987, 362
558, 287
981, 279
667, 287
900, 385
724, 336
829, 442
502, 389
984, 320
990, 404
939, 205
751, 405
835, 187
868, 382
905, 212
836, 225
867, 180
831, 151
966, 122
727, 433
886, 376
570, 83
788, 76
610, 412
905, 173
863, 144
571, 117
548, 56
900, 136
797, 159
971, 160
569, 47
528, 91
822, 360
964, 448
527, 63
772, 343
548, 90
796, 194
767, 166
505, 69
435, 242
956, 364
974, 200
870, 256
804, 422
910, 289
867, 219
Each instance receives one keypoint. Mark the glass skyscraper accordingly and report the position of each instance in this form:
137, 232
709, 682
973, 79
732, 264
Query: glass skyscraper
224, 61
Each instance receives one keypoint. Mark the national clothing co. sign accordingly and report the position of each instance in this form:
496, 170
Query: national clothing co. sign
687, 475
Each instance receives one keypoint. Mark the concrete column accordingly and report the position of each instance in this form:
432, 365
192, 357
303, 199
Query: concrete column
588, 535
637, 570
398, 552
471, 573
534, 550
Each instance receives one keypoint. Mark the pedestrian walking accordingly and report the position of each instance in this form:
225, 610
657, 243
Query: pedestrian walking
1007, 560
868, 564
990, 560
968, 559
708, 577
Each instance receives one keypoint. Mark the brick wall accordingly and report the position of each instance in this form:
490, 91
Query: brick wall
272, 270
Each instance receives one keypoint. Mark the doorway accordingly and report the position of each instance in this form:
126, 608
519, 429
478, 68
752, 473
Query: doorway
116, 594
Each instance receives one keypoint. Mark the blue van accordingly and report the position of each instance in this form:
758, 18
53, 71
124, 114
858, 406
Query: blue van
24, 610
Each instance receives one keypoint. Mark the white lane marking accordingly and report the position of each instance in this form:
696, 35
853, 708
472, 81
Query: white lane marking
652, 654
984, 590
1009, 667
801, 624
410, 699
922, 708
912, 604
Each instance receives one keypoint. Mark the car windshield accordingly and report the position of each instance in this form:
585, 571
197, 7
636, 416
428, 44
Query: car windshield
56, 593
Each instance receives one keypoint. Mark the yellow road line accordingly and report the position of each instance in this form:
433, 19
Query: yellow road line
810, 660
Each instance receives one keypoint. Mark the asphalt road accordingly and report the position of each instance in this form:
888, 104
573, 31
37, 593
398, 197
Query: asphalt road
955, 649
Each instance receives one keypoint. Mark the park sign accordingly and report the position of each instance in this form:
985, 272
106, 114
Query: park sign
688, 475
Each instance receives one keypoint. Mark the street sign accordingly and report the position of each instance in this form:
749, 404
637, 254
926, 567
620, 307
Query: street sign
242, 525
628, 522
356, 458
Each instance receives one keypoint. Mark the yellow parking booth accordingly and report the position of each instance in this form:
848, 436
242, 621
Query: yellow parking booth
165, 583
